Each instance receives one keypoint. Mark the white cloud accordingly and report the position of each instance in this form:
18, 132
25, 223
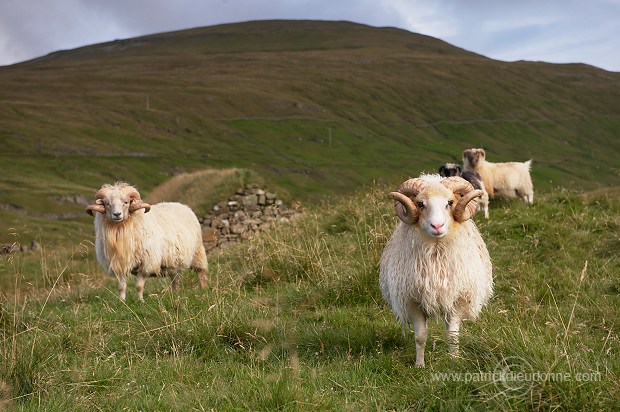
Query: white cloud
430, 18
550, 30
508, 24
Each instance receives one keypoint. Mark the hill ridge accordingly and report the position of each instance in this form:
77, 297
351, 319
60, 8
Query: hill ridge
228, 29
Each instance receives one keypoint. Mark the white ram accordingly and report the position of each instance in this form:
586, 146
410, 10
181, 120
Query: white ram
436, 262
509, 179
129, 240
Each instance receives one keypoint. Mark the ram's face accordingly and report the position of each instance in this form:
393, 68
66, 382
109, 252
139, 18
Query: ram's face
435, 206
473, 157
116, 206
450, 169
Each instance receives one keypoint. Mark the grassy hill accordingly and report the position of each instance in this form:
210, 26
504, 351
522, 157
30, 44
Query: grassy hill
315, 107
294, 321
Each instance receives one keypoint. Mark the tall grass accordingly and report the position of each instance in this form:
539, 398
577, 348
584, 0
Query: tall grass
294, 320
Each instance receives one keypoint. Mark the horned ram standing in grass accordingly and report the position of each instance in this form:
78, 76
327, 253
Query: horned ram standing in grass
436, 263
135, 237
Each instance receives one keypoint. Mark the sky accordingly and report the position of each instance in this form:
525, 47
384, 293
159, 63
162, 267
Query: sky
554, 31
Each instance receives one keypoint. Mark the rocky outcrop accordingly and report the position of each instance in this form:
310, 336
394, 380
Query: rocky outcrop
245, 214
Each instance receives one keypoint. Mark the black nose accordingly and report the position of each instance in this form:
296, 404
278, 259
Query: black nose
117, 214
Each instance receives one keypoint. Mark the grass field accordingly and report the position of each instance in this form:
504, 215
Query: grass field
295, 321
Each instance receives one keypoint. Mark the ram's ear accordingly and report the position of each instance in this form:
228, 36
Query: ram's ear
466, 195
95, 208
405, 209
403, 203
137, 205
466, 206
98, 205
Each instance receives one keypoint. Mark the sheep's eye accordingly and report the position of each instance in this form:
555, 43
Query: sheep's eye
450, 203
420, 205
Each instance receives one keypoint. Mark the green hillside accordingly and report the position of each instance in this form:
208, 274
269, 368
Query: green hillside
315, 107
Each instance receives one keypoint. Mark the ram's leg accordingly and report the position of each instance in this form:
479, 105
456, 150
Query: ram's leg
485, 205
525, 196
421, 333
200, 265
122, 287
202, 278
453, 325
140, 279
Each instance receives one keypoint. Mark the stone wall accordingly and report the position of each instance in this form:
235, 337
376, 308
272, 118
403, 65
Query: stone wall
248, 212
16, 247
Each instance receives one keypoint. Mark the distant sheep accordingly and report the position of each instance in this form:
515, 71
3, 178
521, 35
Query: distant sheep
436, 263
129, 240
453, 169
511, 179
450, 169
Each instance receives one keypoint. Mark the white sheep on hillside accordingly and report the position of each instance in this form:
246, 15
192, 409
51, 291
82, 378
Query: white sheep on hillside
129, 240
436, 263
509, 179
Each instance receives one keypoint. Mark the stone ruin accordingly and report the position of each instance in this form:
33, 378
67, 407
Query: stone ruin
245, 214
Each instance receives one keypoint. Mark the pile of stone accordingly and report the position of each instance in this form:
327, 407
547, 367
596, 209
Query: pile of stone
6, 248
245, 214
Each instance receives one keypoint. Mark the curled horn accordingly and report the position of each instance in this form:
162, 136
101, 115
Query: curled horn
98, 205
136, 202
468, 203
405, 209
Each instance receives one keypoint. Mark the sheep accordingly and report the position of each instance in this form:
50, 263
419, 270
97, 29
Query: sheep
436, 262
135, 237
453, 169
509, 180
450, 169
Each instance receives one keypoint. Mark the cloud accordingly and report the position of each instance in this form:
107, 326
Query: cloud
420, 16
29, 29
511, 24
551, 30
557, 31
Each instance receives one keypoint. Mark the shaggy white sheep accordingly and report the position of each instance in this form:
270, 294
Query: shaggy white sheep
161, 242
510, 179
436, 263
